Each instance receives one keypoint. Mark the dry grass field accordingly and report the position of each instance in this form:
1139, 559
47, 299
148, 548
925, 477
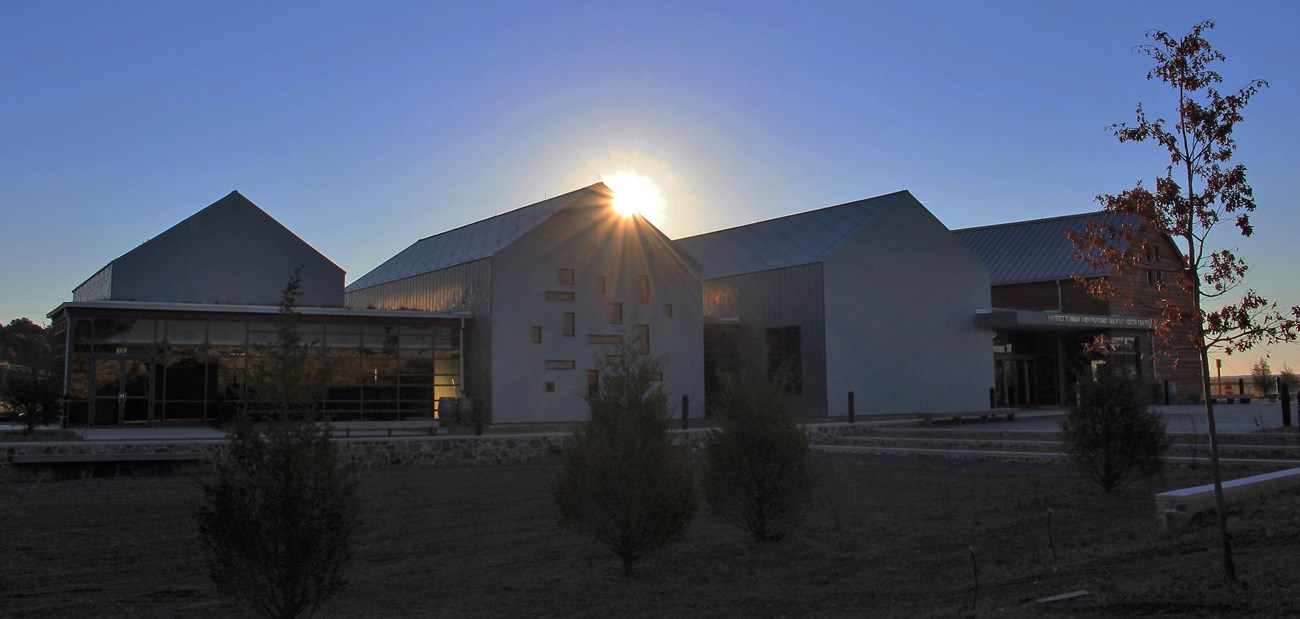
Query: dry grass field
884, 538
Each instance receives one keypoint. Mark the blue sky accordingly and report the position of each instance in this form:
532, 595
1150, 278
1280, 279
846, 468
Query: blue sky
365, 126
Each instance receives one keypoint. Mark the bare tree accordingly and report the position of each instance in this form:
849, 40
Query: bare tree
1202, 188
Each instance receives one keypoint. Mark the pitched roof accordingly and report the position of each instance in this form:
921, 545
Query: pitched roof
467, 243
1032, 251
234, 206
802, 238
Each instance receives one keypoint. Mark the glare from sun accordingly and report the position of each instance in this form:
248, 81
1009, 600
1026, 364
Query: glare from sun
635, 194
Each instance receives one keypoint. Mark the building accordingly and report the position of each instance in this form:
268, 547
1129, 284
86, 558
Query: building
172, 331
1044, 318
550, 287
876, 298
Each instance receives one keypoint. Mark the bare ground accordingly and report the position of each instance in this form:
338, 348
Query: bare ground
885, 537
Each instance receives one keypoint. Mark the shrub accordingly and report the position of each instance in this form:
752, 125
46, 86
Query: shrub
1113, 435
758, 475
1262, 376
278, 522
1287, 377
620, 478
34, 397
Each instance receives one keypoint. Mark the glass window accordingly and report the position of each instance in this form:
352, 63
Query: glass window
569, 320
560, 364
643, 339
227, 333
604, 339
668, 310
557, 295
600, 284
187, 332
643, 288
785, 358
615, 313
537, 335
564, 277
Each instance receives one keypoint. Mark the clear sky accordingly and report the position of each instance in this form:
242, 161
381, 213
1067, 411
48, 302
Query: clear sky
364, 126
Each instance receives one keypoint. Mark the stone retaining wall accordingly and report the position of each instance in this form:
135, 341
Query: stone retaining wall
392, 451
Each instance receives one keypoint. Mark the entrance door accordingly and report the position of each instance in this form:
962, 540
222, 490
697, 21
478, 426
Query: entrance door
123, 387
1014, 380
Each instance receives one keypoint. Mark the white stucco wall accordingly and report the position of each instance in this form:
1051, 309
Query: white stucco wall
593, 241
901, 298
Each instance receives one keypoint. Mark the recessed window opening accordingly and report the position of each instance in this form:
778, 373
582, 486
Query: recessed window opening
615, 313
564, 277
569, 321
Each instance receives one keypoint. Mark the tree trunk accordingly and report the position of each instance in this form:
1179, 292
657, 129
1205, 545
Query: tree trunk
1229, 568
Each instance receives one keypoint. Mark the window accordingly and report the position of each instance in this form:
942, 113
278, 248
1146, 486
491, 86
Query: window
593, 383
1154, 274
668, 310
643, 339
1125, 354
615, 313
569, 320
556, 295
643, 288
559, 364
785, 358
605, 339
564, 277
600, 284
550, 387
537, 335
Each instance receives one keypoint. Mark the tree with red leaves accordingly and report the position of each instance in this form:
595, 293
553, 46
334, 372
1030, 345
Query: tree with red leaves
1202, 188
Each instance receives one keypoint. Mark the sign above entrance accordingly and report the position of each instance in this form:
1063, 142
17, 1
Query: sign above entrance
1056, 321
1127, 322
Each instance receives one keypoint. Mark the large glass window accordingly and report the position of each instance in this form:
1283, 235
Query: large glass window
785, 357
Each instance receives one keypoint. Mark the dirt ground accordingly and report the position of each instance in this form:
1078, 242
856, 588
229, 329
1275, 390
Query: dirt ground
885, 537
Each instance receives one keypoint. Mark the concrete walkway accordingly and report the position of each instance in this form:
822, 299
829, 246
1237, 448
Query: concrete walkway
1180, 419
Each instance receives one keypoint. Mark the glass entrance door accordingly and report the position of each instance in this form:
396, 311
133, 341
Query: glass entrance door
122, 391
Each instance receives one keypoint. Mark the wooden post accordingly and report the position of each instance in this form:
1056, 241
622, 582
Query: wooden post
478, 416
1285, 391
851, 419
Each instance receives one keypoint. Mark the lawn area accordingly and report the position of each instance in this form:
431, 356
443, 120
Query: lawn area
886, 537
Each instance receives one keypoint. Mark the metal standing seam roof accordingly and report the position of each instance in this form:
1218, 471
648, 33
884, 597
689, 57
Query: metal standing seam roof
802, 238
467, 243
1033, 251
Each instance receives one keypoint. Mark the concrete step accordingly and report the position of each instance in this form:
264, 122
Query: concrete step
1018, 455
1191, 448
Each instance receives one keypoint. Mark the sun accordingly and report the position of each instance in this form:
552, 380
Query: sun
635, 194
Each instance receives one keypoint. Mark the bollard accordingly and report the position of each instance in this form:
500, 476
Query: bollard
1284, 394
686, 411
851, 420
478, 416
993, 397
1241, 388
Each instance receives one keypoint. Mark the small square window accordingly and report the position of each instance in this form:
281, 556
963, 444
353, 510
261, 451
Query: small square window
537, 335
564, 277
550, 387
569, 319
668, 310
600, 284
615, 313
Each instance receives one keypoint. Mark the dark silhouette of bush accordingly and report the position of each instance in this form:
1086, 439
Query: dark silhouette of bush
758, 475
1113, 435
34, 398
620, 478
278, 522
